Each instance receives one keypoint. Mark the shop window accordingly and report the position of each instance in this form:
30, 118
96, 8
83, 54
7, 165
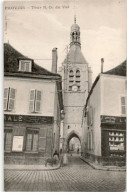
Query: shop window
32, 141
116, 141
9, 99
25, 65
123, 105
35, 101
8, 140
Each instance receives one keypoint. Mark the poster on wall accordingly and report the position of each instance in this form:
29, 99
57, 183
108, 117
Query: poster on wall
17, 145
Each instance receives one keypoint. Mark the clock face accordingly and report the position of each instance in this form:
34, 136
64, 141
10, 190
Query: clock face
74, 88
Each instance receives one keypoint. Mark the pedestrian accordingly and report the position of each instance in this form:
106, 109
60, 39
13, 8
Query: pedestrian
77, 150
65, 159
61, 151
56, 156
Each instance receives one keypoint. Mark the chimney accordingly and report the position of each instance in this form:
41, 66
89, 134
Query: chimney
54, 60
102, 63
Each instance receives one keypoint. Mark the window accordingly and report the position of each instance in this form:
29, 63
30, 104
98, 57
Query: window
70, 88
32, 141
71, 82
25, 65
78, 79
8, 140
78, 88
77, 73
35, 101
9, 98
123, 105
71, 74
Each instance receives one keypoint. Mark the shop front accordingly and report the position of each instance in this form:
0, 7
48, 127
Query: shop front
113, 136
27, 139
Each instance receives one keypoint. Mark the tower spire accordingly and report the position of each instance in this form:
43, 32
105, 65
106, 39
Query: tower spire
75, 18
75, 34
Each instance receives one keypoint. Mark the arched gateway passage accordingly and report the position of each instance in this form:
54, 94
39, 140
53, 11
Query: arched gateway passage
73, 142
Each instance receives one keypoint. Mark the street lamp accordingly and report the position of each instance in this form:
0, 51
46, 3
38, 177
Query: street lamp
62, 114
62, 126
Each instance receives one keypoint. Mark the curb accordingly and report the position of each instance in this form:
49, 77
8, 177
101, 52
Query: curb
101, 168
34, 169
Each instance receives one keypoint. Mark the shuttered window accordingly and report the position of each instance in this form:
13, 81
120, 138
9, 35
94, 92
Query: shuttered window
25, 65
123, 105
5, 98
9, 98
32, 141
32, 100
35, 101
8, 140
38, 101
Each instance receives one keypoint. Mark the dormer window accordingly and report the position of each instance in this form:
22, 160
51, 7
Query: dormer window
25, 65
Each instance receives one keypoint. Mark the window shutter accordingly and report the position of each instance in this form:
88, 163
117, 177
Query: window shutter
27, 66
32, 99
123, 100
29, 142
35, 142
8, 141
11, 99
22, 66
123, 105
38, 101
123, 110
42, 140
5, 98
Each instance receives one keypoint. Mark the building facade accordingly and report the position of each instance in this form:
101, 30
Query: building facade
32, 107
104, 120
77, 80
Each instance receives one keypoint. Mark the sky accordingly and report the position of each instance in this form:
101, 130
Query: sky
35, 30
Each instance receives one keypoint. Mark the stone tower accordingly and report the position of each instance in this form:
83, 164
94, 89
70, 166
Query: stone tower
76, 76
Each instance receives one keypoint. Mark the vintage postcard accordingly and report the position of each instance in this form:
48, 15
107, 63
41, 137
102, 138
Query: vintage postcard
64, 95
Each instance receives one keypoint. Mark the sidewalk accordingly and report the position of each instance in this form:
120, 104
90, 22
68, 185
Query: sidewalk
31, 167
105, 168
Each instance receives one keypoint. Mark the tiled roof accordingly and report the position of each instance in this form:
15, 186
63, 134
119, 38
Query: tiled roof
119, 70
11, 57
75, 56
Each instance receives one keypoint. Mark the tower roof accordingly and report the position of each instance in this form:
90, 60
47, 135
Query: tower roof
75, 27
75, 56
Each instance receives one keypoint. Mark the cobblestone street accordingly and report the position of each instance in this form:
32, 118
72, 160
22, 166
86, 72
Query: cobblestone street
76, 176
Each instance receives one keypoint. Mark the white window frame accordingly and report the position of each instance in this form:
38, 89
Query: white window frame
9, 98
25, 61
35, 101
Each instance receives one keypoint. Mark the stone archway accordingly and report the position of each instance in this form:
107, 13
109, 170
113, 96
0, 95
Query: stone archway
69, 137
